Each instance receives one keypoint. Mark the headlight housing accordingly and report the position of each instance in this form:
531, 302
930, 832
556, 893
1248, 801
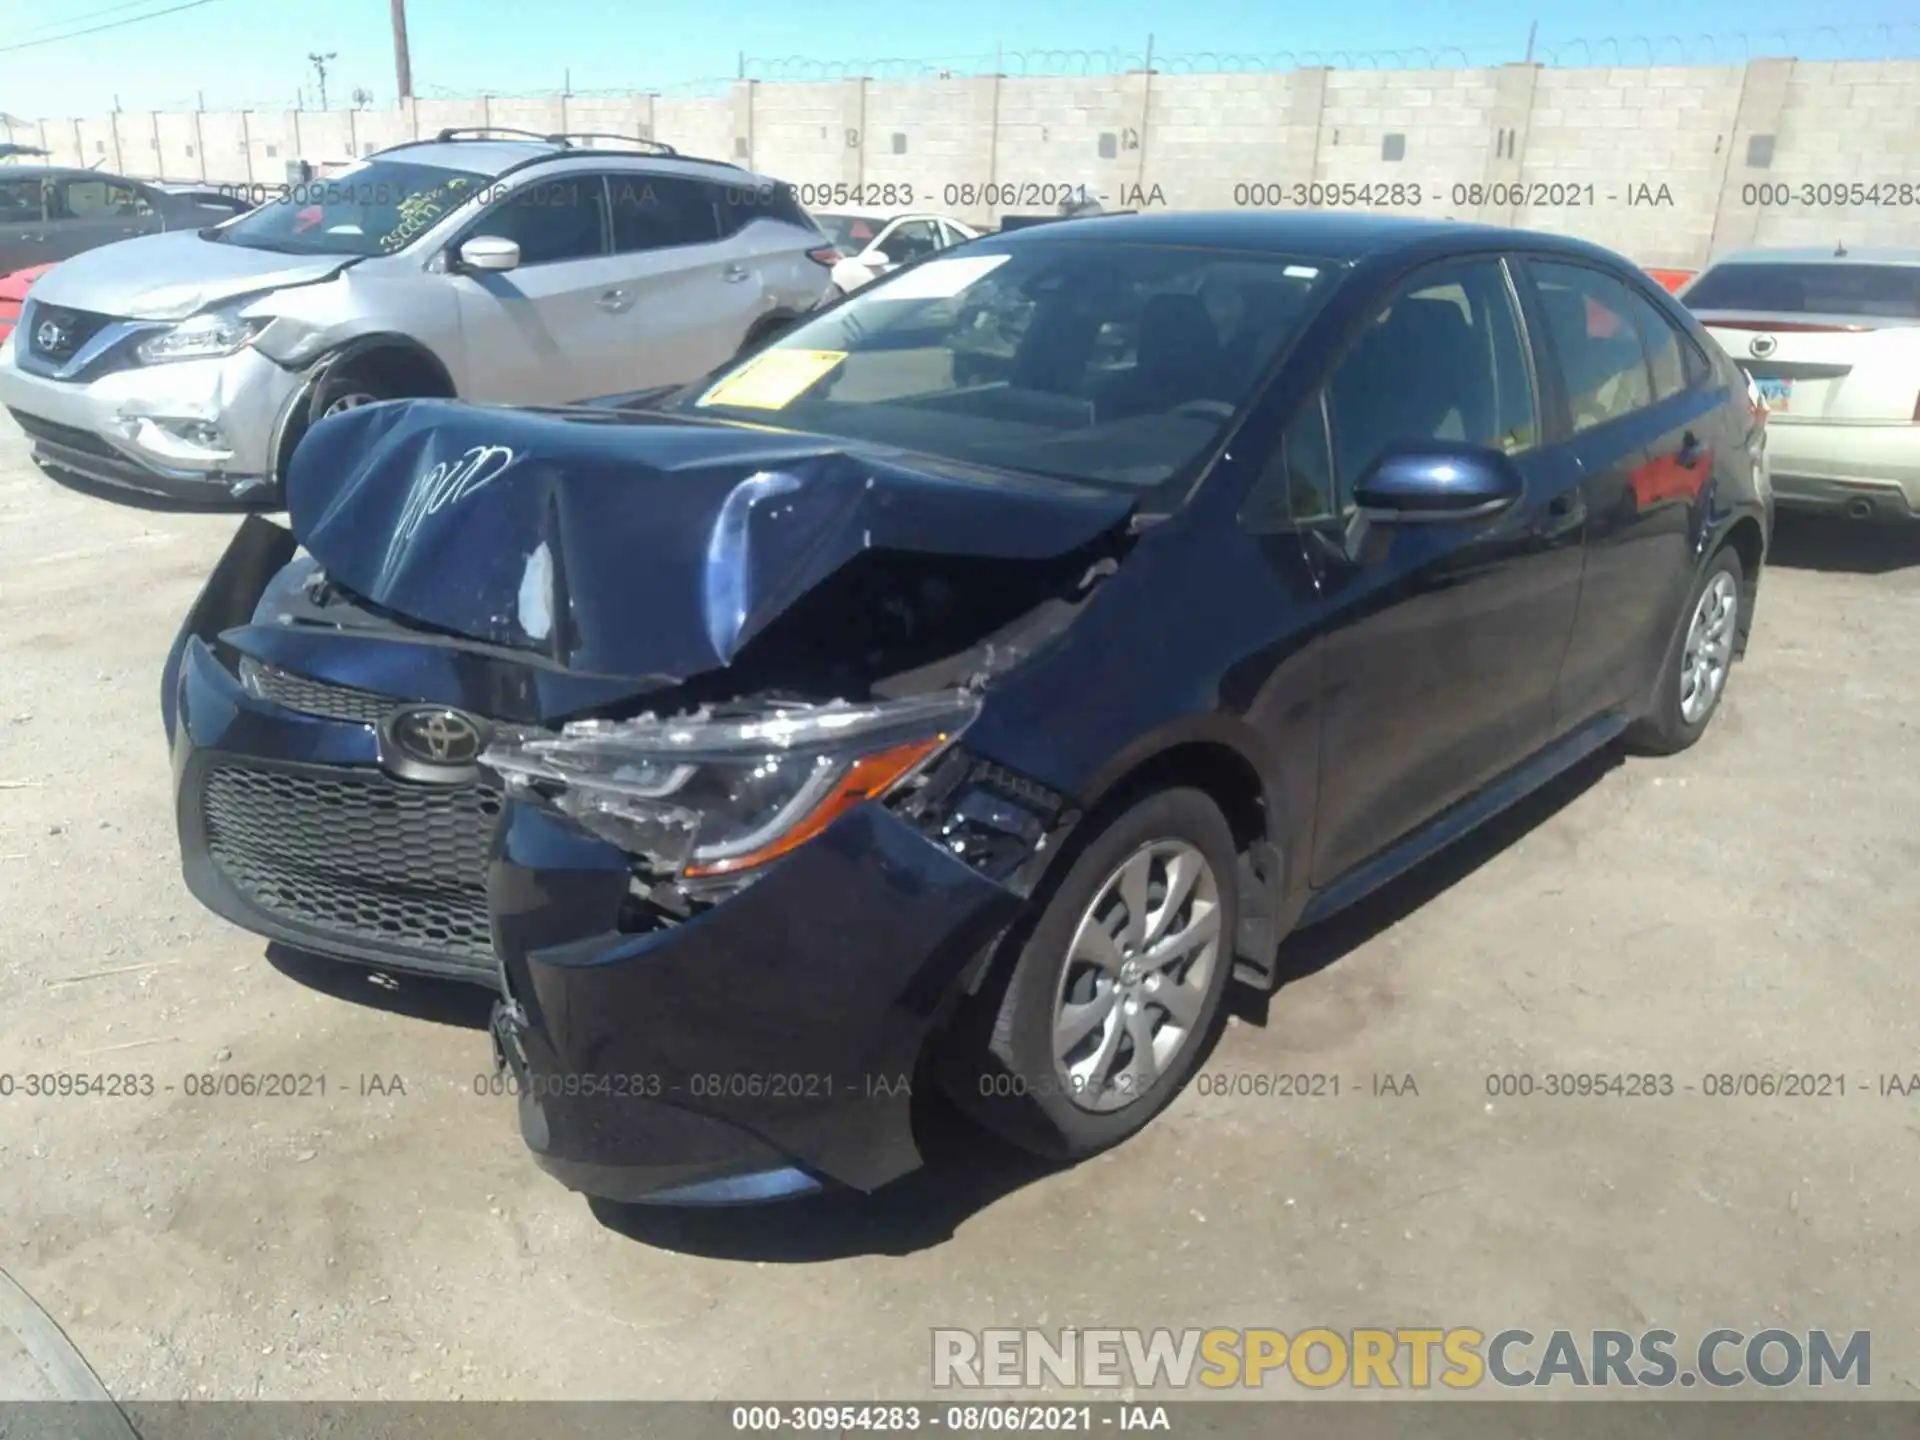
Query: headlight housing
202, 337
708, 796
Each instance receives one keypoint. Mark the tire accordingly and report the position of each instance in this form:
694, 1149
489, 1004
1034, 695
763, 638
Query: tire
1675, 723
1002, 1067
347, 387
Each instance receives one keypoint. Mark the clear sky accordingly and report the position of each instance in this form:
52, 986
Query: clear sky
254, 52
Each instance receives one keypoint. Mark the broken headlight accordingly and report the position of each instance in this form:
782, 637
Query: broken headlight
715, 794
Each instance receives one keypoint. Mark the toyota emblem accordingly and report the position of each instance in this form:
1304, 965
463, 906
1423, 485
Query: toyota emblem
432, 742
1762, 346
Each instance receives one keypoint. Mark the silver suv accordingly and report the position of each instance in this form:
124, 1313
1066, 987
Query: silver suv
498, 267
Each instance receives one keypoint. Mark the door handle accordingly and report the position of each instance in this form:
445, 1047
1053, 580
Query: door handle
1690, 450
736, 273
615, 301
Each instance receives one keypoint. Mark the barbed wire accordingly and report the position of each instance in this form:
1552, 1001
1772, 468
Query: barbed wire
1883, 41
1892, 41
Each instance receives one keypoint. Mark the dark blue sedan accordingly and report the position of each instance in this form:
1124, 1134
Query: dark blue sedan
969, 686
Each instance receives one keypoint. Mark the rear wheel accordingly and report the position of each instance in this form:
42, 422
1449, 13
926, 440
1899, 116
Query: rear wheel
1116, 989
1695, 677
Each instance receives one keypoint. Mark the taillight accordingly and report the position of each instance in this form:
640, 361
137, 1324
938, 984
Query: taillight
825, 255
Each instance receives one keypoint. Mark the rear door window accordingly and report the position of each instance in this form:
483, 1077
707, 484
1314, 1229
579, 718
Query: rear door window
1590, 322
1892, 291
1665, 346
660, 212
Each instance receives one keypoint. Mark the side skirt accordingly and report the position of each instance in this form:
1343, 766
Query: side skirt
1448, 826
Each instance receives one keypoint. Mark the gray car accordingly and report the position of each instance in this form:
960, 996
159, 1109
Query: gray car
51, 212
490, 266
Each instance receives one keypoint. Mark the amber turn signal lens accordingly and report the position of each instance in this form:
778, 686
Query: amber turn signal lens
868, 776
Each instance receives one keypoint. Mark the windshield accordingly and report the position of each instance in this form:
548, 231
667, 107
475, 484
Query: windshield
1810, 289
1109, 364
850, 233
371, 209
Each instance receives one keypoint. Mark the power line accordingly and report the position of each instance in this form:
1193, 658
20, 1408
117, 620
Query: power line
110, 25
88, 15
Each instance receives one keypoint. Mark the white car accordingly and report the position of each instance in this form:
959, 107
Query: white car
873, 242
1832, 342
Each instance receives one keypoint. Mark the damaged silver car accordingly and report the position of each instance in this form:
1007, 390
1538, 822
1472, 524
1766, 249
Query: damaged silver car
182, 369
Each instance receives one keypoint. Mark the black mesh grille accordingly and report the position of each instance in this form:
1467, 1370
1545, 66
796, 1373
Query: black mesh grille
359, 855
316, 697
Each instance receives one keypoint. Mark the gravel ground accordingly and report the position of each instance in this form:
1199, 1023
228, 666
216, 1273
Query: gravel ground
1748, 906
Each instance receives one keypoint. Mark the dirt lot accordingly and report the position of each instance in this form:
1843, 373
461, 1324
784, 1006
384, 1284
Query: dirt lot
1747, 907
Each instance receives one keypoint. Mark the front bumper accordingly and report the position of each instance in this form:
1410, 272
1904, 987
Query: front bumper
118, 434
765, 1047
289, 828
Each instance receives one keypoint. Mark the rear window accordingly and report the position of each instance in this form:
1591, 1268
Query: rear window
741, 205
1890, 290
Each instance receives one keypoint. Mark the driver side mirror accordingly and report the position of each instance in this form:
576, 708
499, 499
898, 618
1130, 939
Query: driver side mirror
490, 252
1436, 482
879, 257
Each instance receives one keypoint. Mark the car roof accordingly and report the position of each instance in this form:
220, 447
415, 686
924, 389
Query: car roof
1823, 256
1328, 235
497, 157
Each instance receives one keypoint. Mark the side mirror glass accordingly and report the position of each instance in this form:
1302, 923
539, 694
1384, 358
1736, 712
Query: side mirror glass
1436, 481
490, 252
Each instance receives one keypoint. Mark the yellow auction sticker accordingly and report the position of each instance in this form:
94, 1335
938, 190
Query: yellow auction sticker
774, 380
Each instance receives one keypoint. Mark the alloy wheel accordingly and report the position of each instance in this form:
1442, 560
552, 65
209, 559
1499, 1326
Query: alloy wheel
1135, 982
353, 400
1703, 668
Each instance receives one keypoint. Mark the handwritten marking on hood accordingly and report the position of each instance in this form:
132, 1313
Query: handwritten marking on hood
536, 594
443, 485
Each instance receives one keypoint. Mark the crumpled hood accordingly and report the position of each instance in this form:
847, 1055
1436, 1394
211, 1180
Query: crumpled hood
648, 549
173, 275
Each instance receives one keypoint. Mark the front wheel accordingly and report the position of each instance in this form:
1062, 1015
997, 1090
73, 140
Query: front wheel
1695, 678
1116, 989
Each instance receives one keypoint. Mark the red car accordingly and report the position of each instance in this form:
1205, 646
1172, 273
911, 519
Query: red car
1673, 279
13, 290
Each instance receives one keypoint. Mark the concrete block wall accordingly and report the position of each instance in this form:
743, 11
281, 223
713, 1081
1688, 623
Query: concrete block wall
1666, 164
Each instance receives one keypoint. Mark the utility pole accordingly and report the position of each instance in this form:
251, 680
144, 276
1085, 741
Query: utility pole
320, 69
402, 63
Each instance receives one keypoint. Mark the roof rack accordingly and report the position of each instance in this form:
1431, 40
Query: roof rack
567, 137
481, 132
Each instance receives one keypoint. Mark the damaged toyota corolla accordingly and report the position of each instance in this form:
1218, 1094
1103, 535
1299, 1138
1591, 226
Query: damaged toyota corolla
967, 687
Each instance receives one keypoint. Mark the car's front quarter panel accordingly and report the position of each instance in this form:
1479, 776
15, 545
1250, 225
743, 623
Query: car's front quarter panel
1233, 666
392, 295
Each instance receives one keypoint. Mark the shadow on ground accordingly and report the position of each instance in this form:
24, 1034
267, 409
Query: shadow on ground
1852, 547
966, 1168
418, 997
